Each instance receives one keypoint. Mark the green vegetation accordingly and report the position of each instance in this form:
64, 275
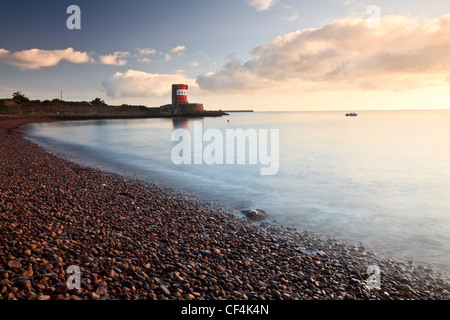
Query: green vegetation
3, 107
98, 102
20, 98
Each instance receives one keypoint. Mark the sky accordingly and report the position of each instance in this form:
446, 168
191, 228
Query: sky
265, 55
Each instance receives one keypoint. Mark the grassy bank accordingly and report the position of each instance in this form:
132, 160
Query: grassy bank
3, 108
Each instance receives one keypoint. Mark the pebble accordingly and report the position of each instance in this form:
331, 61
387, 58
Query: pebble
164, 290
14, 264
28, 274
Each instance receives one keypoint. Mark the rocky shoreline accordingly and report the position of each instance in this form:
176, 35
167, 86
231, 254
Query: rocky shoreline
135, 241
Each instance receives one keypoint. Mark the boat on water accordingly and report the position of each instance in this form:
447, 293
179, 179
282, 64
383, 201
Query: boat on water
352, 114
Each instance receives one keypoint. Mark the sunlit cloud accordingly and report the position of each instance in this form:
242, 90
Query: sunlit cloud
167, 57
404, 54
115, 59
144, 60
147, 51
35, 58
135, 83
178, 49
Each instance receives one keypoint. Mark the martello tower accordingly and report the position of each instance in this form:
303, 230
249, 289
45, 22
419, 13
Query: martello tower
180, 104
179, 95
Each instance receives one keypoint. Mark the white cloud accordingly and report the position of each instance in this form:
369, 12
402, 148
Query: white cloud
144, 60
193, 64
346, 54
35, 58
3, 53
262, 5
141, 84
147, 51
115, 59
142, 55
167, 57
178, 49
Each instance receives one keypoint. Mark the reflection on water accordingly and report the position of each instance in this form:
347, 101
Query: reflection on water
381, 178
180, 123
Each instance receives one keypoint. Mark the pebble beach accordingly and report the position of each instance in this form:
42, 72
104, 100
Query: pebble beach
134, 240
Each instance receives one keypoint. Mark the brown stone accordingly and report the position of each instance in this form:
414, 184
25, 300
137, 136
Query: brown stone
14, 264
48, 266
101, 291
164, 290
40, 286
61, 289
28, 273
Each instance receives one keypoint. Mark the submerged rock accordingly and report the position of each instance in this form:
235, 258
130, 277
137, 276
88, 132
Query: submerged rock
256, 215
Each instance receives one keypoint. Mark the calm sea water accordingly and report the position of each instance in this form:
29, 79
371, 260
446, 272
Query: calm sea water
381, 179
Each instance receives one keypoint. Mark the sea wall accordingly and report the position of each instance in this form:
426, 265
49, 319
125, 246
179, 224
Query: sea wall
191, 108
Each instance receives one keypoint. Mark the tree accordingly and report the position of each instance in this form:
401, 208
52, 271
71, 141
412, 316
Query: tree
20, 97
98, 102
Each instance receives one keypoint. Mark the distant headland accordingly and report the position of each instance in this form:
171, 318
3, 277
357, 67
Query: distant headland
58, 109
238, 111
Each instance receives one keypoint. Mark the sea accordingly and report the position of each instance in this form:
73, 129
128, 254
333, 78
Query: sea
380, 179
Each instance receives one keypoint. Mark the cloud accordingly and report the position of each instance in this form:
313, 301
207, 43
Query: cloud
294, 16
142, 55
147, 51
178, 49
3, 53
346, 54
35, 58
292, 13
262, 5
173, 53
233, 76
115, 59
141, 84
167, 57
193, 64
144, 60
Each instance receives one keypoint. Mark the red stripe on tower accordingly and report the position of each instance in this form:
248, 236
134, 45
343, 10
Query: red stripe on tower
182, 93
182, 86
